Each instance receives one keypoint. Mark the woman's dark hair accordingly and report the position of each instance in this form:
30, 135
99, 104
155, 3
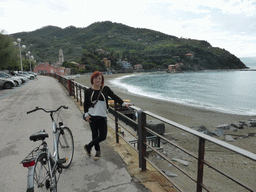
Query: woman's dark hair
95, 75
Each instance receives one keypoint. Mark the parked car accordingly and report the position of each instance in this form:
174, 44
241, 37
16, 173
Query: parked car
16, 80
33, 73
22, 74
6, 83
31, 77
24, 78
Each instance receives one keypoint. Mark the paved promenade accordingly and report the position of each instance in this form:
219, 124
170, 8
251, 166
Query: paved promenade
111, 173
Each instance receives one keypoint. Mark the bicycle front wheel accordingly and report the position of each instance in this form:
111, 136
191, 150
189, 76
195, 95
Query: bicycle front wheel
42, 180
66, 146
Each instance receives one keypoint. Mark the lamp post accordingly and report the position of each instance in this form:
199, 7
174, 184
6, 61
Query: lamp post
32, 59
29, 57
23, 47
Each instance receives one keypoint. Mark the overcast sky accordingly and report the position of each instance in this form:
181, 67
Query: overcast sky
228, 24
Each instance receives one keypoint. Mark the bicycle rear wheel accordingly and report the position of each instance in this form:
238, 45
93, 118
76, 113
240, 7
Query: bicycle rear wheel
66, 146
42, 180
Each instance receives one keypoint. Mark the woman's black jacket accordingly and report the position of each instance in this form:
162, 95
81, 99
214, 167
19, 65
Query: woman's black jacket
107, 92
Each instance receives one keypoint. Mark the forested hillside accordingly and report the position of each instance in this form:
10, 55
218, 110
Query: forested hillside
136, 45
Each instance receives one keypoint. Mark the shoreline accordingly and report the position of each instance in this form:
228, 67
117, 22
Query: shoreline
234, 108
177, 112
189, 116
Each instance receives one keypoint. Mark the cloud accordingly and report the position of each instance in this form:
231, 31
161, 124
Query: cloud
2, 12
236, 23
57, 5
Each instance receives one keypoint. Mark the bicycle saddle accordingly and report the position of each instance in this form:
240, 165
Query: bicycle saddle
41, 135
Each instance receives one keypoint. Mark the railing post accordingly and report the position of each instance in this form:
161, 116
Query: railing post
73, 88
116, 123
80, 94
84, 91
200, 168
76, 93
70, 87
142, 139
158, 142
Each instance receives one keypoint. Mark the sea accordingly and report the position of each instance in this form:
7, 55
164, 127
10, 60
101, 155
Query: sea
230, 91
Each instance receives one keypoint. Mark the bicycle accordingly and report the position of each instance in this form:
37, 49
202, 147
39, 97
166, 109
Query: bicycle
44, 169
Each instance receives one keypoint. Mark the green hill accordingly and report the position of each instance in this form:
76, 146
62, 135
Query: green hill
136, 45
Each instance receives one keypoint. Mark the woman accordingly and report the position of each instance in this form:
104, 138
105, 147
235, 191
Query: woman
95, 111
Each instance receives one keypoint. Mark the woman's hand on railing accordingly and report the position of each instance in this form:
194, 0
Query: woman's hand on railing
128, 105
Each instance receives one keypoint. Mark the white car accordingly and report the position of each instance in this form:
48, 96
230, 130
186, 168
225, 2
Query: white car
24, 78
33, 73
16, 80
31, 77
6, 83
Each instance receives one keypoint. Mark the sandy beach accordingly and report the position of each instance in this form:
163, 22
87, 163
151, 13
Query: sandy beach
191, 117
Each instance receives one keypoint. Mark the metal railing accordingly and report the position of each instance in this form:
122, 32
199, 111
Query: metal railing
77, 90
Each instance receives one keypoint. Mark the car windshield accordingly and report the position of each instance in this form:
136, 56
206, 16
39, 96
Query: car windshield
4, 75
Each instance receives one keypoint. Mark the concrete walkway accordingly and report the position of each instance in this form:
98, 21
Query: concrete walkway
115, 171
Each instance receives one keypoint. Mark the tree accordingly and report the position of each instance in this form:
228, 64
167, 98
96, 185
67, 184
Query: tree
92, 61
68, 65
9, 56
149, 65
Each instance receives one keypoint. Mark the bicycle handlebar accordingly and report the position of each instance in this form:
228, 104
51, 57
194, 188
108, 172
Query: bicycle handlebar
32, 110
47, 111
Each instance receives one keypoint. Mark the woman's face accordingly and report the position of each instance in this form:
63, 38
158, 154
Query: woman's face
97, 80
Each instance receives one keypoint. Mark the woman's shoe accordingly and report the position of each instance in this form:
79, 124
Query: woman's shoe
97, 156
88, 151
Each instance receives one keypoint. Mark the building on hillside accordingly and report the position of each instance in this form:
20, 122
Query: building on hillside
189, 55
79, 66
138, 67
106, 62
174, 68
44, 68
124, 64
171, 68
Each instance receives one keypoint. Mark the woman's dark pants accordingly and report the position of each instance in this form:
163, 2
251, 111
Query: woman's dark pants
99, 131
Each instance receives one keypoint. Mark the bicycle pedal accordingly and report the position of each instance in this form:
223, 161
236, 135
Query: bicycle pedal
63, 160
59, 169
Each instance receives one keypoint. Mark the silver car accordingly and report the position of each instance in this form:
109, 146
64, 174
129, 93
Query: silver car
6, 83
31, 77
16, 80
24, 78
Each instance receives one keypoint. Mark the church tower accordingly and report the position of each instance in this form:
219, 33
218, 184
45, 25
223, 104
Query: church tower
61, 56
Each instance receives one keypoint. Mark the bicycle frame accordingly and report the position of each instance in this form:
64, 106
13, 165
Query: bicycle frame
56, 134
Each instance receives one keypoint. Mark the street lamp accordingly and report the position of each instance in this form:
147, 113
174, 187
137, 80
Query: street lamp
32, 59
23, 47
29, 57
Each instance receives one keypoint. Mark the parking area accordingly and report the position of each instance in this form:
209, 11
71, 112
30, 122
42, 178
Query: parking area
6, 92
12, 79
